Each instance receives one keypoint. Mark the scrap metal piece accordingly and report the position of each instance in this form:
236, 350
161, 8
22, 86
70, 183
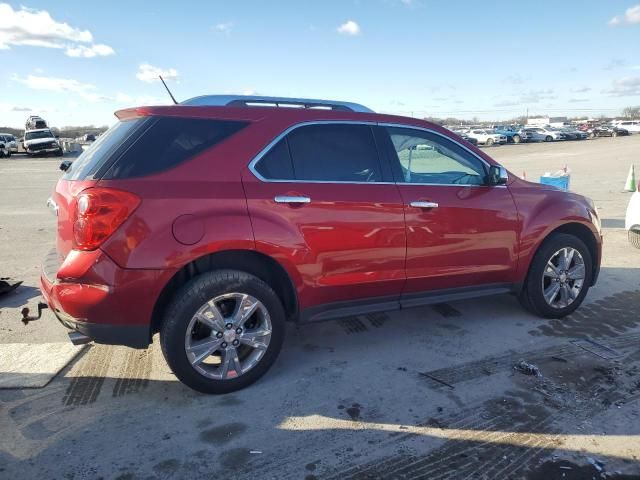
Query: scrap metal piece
527, 368
8, 285
597, 349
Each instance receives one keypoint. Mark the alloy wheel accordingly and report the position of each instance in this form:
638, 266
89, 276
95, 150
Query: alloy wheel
563, 277
228, 336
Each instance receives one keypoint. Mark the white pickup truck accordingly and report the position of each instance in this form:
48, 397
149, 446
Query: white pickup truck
41, 141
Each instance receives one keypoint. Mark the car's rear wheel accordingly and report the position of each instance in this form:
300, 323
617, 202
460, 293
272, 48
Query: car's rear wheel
222, 331
517, 139
614, 134
548, 138
634, 238
489, 142
559, 277
592, 135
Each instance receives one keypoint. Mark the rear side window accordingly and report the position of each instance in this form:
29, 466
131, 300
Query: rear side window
169, 141
324, 153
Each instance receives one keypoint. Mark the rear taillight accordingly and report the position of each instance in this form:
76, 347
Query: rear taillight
98, 213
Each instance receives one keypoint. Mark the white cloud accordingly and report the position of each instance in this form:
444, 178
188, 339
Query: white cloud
86, 91
96, 50
349, 28
581, 89
149, 73
36, 28
506, 103
625, 87
224, 27
536, 96
578, 100
630, 16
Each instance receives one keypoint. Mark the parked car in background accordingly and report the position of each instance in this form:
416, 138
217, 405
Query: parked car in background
467, 138
34, 122
487, 137
513, 135
608, 131
89, 137
41, 141
214, 226
542, 134
572, 133
9, 144
632, 126
11, 140
5, 151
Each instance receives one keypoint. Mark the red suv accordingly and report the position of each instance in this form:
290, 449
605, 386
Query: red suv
215, 221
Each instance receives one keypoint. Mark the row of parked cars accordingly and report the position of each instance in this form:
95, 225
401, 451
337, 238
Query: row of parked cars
38, 139
502, 134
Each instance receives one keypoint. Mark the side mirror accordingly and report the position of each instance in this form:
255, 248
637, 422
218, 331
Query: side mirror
498, 175
64, 166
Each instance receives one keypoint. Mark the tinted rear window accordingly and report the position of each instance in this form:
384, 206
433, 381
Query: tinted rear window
169, 141
102, 150
335, 153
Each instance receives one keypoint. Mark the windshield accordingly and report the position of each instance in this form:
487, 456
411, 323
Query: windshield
36, 135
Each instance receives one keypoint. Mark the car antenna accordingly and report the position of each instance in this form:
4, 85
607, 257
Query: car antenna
168, 91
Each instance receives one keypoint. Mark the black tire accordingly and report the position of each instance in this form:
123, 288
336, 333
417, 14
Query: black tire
634, 238
489, 142
189, 299
592, 135
532, 297
60, 152
517, 139
548, 138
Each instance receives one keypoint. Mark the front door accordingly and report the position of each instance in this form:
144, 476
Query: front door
461, 232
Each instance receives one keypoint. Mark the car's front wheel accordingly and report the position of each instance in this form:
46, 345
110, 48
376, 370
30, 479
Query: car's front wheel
634, 238
559, 277
489, 142
517, 139
222, 331
548, 138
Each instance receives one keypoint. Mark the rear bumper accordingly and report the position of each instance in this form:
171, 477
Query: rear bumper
90, 294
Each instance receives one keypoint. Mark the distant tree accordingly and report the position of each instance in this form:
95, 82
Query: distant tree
631, 112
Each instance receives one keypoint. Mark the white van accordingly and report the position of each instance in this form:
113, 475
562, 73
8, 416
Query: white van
633, 126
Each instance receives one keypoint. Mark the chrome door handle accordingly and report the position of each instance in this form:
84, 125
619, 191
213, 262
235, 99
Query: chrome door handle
424, 204
291, 200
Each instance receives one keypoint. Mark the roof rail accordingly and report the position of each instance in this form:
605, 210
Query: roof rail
254, 101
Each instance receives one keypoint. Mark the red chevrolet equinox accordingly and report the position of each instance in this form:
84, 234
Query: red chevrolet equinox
215, 221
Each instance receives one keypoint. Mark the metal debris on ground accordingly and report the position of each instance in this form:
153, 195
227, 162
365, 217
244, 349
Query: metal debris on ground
597, 464
8, 285
597, 349
436, 379
527, 368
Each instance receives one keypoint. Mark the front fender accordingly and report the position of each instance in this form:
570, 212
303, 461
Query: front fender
544, 210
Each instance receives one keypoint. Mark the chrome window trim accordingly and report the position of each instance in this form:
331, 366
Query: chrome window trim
283, 134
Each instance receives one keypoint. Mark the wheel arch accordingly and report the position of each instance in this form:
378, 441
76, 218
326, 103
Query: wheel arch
578, 230
262, 266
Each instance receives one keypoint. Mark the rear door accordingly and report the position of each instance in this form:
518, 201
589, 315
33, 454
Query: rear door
323, 205
460, 232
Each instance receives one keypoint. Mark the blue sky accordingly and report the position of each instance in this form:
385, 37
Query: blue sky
75, 62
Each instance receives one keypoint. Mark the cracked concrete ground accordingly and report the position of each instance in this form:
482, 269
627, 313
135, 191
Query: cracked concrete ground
423, 393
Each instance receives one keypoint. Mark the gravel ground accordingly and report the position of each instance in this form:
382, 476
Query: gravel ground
423, 393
